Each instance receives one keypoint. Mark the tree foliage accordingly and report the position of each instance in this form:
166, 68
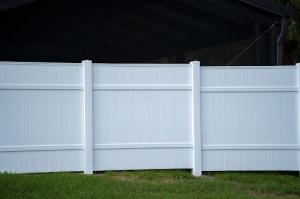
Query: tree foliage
293, 36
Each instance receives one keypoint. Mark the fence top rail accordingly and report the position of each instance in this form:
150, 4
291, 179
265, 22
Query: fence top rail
145, 65
249, 67
40, 63
139, 65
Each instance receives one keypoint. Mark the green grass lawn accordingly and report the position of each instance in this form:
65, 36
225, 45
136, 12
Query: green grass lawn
151, 184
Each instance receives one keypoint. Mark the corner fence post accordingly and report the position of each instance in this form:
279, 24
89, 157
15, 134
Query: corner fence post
196, 120
88, 116
298, 109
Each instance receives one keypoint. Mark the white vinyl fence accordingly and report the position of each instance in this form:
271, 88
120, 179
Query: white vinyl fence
97, 117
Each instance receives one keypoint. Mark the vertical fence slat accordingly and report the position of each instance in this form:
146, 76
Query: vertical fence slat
196, 120
88, 116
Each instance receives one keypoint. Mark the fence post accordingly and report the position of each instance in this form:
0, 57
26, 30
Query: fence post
88, 116
298, 121
196, 120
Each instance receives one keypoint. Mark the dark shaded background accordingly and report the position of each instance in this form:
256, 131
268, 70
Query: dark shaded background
212, 31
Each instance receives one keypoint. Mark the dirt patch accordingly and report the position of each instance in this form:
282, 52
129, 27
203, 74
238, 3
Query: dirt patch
127, 178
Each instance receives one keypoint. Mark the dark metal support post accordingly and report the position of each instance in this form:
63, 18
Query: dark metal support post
281, 41
257, 47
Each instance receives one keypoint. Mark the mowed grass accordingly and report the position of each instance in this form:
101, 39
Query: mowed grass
151, 184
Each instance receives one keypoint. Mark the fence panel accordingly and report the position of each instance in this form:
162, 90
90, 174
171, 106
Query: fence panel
142, 116
41, 119
96, 117
249, 118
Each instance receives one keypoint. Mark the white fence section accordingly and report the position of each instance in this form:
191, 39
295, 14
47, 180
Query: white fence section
96, 117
